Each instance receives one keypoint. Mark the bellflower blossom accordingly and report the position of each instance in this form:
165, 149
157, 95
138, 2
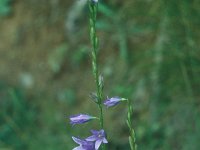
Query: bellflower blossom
109, 102
83, 144
98, 137
80, 119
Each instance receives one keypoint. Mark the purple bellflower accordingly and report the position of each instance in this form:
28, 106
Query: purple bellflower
80, 119
98, 137
83, 144
109, 102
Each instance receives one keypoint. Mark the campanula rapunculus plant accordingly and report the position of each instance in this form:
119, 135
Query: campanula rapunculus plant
98, 138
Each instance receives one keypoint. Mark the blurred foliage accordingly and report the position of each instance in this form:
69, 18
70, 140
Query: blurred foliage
21, 122
113, 23
80, 56
17, 116
5, 8
149, 53
57, 57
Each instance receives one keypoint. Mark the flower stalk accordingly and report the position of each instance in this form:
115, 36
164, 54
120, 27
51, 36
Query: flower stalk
93, 7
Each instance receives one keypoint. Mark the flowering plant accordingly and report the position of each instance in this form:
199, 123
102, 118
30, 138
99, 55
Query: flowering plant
98, 138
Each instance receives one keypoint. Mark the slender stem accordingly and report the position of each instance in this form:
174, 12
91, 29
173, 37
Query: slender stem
93, 7
132, 138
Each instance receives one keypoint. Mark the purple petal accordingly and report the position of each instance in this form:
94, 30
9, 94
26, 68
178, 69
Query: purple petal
91, 138
105, 140
101, 131
97, 144
94, 132
78, 141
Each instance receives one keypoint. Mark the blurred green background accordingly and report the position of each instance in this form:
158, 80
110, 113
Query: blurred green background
149, 53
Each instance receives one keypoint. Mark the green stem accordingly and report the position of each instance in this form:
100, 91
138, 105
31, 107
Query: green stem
94, 40
132, 138
93, 7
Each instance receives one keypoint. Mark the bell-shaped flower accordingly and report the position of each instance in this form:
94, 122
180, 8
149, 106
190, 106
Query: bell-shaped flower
80, 118
109, 102
98, 137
